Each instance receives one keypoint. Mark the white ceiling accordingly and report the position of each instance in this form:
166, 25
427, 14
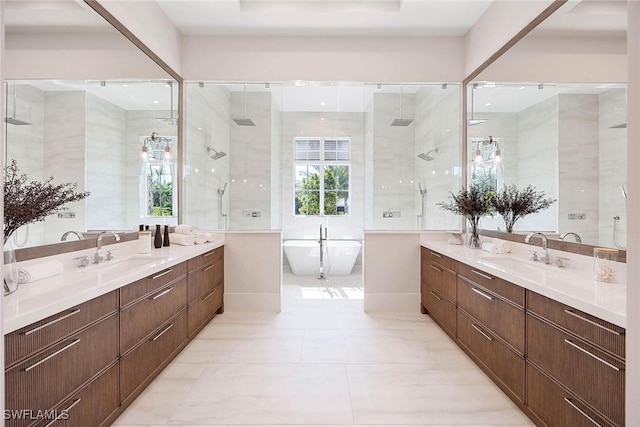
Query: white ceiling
52, 16
586, 18
324, 17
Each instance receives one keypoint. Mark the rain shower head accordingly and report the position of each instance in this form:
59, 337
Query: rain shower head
244, 122
216, 154
14, 121
169, 121
401, 122
427, 156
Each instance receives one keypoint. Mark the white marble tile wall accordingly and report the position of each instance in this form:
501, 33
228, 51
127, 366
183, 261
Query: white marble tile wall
612, 167
25, 144
394, 161
437, 125
250, 169
537, 160
208, 119
368, 165
297, 124
578, 165
64, 154
276, 178
105, 150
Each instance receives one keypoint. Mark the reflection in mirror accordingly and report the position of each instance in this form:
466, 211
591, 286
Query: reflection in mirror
568, 140
94, 133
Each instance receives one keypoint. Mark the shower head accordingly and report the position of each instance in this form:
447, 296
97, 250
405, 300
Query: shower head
169, 121
427, 156
244, 122
624, 192
14, 121
401, 122
216, 154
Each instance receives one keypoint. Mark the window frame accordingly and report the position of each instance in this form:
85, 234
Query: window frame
145, 182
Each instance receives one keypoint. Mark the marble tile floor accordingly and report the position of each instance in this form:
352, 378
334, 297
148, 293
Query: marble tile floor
322, 368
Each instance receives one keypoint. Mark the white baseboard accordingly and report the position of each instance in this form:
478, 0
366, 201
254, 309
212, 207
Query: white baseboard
391, 302
256, 303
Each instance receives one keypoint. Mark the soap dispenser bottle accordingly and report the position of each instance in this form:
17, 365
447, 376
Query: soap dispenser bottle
165, 241
157, 241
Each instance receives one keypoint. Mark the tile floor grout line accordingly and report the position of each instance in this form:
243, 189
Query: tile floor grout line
346, 373
304, 333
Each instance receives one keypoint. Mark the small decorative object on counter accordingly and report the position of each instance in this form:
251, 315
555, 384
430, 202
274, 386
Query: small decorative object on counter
165, 241
144, 240
455, 239
606, 265
472, 204
157, 241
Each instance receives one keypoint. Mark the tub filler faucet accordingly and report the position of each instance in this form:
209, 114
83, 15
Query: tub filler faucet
322, 241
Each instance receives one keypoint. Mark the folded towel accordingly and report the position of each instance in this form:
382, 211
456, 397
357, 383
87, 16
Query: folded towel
200, 238
491, 248
34, 272
211, 237
505, 247
182, 239
185, 229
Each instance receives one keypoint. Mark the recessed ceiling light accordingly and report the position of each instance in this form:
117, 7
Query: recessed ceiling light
321, 118
156, 102
322, 104
125, 85
521, 88
488, 104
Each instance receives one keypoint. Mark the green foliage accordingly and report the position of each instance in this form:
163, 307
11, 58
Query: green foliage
160, 194
308, 198
336, 185
513, 204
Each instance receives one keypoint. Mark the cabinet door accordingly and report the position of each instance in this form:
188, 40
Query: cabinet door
506, 365
498, 286
206, 258
140, 319
203, 279
148, 285
502, 318
438, 258
45, 379
440, 310
555, 406
140, 365
440, 279
204, 309
591, 374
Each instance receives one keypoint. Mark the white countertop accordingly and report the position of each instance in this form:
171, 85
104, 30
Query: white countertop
43, 298
574, 286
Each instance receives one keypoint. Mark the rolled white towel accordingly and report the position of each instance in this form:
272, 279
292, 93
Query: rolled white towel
211, 237
34, 272
201, 238
491, 248
182, 239
185, 229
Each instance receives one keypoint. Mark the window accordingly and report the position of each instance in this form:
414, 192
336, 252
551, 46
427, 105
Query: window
158, 197
322, 176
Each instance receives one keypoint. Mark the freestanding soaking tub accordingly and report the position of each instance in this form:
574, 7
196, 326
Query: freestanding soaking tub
304, 256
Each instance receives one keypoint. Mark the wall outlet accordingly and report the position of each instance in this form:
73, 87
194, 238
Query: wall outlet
573, 216
252, 214
67, 215
391, 214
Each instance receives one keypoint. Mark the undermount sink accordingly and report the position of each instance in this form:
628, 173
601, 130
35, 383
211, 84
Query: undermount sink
515, 266
119, 265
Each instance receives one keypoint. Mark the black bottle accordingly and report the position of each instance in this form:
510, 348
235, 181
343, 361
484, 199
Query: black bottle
157, 241
165, 241
141, 227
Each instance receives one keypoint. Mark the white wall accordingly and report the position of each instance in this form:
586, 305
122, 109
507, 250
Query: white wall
387, 59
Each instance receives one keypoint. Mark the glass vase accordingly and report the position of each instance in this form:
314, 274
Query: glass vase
473, 239
10, 267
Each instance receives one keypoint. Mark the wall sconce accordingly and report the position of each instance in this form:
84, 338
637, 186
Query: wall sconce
495, 148
152, 145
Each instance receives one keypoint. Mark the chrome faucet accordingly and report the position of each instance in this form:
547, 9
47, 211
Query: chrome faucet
545, 257
98, 258
66, 234
571, 233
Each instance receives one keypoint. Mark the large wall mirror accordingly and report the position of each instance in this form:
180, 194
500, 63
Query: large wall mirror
112, 130
560, 131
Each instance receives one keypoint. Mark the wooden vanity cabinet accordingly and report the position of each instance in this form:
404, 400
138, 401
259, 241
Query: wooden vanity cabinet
205, 288
438, 289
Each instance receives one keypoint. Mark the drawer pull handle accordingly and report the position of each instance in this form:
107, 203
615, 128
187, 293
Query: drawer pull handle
435, 296
435, 254
163, 293
479, 292
64, 411
208, 254
212, 293
54, 321
482, 274
52, 355
435, 268
162, 332
208, 268
571, 313
592, 355
484, 334
162, 274
587, 416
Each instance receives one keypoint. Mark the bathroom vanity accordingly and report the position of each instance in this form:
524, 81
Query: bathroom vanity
83, 365
558, 356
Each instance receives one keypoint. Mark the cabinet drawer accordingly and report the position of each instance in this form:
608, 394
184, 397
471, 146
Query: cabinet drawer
203, 279
37, 336
591, 374
141, 363
446, 262
597, 331
203, 310
505, 364
557, 407
140, 319
43, 380
502, 318
142, 287
440, 309
440, 279
91, 405
513, 293
206, 258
